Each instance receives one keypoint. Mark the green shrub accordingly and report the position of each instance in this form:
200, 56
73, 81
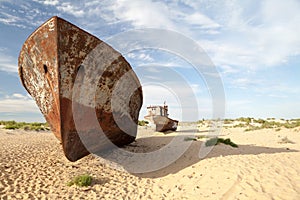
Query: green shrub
201, 121
228, 121
12, 126
81, 180
36, 126
292, 124
142, 123
211, 142
271, 124
295, 120
215, 141
260, 121
247, 120
227, 142
240, 126
199, 137
190, 139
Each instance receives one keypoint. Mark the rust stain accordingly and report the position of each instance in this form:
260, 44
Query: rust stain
48, 65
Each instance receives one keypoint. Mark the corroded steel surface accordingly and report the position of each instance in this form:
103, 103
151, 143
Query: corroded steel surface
55, 56
38, 64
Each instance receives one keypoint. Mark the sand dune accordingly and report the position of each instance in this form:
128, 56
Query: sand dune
32, 165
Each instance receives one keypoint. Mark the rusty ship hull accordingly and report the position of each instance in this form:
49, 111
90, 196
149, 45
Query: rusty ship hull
52, 59
164, 124
158, 115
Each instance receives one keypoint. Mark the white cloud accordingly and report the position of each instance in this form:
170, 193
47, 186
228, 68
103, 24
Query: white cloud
250, 34
163, 14
267, 39
277, 96
247, 83
23, 14
51, 2
247, 34
9, 19
201, 20
239, 36
72, 9
244, 83
162, 64
228, 53
18, 103
143, 13
7, 63
48, 2
277, 89
19, 96
145, 57
140, 56
226, 69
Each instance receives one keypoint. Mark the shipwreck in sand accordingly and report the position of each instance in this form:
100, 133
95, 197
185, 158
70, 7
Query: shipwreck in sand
158, 115
81, 85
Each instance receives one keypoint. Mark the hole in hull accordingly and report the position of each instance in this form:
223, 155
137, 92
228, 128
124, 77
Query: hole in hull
45, 69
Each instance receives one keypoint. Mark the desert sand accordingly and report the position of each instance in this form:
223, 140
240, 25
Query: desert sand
32, 166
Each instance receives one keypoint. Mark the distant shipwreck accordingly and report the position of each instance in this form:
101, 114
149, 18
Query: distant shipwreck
51, 60
158, 115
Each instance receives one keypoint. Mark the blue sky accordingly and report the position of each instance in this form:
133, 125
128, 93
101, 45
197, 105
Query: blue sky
254, 44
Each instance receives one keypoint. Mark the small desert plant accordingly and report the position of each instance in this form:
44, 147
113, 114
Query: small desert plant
293, 124
260, 121
199, 137
271, 118
271, 124
12, 126
211, 142
143, 123
36, 126
215, 141
227, 142
81, 180
247, 120
190, 139
285, 140
240, 126
200, 122
228, 121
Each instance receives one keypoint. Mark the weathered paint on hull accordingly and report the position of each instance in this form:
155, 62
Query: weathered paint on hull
48, 65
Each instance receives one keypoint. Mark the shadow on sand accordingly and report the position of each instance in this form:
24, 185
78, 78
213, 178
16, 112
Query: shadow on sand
191, 155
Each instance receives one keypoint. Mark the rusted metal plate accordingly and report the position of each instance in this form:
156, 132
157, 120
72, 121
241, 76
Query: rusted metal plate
53, 59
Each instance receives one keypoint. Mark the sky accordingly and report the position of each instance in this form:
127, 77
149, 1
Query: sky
253, 45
